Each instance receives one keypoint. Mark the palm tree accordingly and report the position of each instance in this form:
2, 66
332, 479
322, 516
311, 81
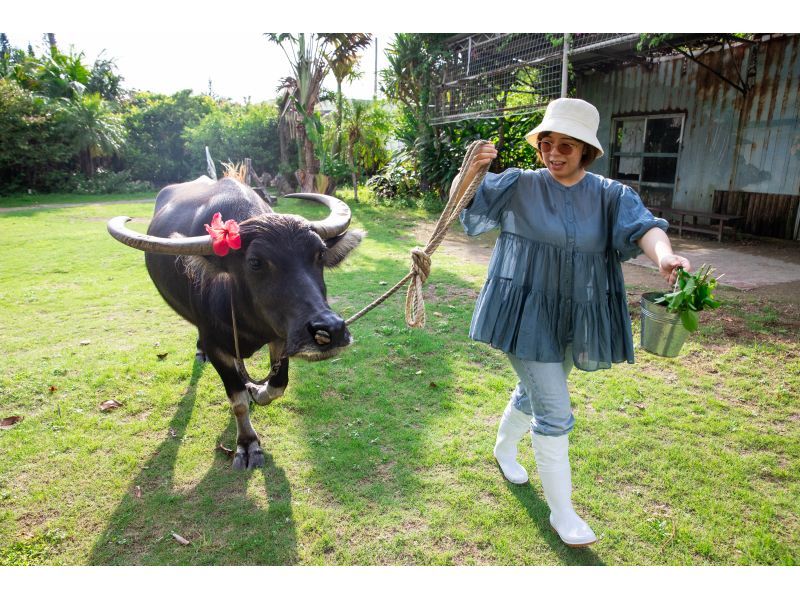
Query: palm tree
414, 64
343, 60
62, 75
97, 131
310, 58
306, 57
367, 128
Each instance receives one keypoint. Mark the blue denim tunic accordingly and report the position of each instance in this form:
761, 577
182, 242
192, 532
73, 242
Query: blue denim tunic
555, 276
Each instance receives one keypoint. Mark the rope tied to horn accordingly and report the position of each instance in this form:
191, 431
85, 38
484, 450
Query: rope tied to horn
461, 193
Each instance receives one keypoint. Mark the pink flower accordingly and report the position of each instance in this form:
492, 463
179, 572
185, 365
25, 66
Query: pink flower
224, 235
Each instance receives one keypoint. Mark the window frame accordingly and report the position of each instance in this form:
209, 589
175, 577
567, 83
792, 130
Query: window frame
615, 154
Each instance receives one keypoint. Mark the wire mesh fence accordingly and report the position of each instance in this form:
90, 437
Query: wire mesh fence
493, 74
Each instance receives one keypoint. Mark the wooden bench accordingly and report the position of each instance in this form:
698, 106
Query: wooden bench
682, 216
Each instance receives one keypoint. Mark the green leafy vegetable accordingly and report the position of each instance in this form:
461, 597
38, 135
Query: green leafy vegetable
692, 294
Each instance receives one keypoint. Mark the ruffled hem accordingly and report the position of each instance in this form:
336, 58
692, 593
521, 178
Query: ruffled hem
522, 309
536, 327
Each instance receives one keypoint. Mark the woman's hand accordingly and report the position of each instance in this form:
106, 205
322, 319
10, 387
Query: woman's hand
668, 266
483, 157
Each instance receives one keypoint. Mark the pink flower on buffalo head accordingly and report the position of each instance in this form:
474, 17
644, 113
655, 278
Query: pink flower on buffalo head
224, 235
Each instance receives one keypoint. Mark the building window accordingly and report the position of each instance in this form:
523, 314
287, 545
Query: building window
644, 155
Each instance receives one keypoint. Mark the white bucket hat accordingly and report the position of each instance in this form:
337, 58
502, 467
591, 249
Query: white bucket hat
570, 116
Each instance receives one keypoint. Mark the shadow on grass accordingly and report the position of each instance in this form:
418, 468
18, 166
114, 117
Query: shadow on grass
223, 524
539, 513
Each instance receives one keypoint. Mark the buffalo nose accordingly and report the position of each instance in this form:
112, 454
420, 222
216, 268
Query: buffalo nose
328, 331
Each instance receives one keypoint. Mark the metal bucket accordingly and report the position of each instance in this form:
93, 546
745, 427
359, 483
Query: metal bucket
663, 333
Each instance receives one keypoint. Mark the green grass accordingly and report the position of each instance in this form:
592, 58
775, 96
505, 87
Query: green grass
24, 200
381, 456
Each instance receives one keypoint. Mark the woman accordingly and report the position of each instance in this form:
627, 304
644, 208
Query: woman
554, 296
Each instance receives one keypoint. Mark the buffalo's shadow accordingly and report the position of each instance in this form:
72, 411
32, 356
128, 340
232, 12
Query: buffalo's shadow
222, 524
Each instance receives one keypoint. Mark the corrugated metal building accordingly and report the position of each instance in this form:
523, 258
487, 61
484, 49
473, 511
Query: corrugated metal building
720, 132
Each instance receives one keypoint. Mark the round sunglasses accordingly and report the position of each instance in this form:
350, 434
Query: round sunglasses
564, 148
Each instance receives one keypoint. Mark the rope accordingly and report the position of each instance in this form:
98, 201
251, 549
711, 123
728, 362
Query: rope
461, 193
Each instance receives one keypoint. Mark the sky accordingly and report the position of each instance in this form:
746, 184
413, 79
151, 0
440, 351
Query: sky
239, 65
166, 47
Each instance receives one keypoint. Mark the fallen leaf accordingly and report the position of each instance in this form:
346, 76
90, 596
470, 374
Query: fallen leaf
137, 492
161, 356
433, 385
639, 405
383, 283
53, 388
173, 433
181, 540
10, 422
109, 405
418, 372
224, 449
85, 342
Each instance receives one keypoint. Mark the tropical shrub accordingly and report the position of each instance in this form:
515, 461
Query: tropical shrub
234, 132
104, 182
156, 149
36, 151
395, 182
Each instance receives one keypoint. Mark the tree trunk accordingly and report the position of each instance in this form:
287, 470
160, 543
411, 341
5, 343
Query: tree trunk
87, 164
353, 171
284, 144
337, 142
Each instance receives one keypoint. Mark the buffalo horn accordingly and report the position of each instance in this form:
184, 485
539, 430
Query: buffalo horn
173, 245
336, 222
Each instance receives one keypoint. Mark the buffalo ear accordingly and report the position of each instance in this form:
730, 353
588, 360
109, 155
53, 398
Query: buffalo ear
340, 246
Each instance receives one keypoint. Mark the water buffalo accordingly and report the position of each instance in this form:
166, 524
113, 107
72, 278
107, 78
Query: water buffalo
254, 279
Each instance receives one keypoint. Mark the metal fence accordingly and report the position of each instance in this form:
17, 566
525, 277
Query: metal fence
492, 74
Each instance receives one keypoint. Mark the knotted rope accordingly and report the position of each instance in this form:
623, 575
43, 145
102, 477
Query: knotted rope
461, 193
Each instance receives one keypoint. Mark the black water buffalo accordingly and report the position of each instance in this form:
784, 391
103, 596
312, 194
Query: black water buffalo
267, 288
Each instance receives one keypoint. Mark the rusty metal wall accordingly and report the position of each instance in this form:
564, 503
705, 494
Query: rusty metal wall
731, 141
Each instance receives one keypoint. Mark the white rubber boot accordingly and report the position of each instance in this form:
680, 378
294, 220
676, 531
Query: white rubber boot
513, 426
552, 460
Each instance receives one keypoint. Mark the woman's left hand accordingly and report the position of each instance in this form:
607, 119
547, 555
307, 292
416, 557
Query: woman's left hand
668, 267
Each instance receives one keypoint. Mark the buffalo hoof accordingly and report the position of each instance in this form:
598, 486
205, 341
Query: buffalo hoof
201, 357
249, 457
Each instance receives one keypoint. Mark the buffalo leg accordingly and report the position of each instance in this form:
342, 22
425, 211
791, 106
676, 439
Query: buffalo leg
248, 447
276, 386
200, 354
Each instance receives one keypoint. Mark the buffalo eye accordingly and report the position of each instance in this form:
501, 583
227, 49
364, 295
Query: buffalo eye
254, 263
321, 255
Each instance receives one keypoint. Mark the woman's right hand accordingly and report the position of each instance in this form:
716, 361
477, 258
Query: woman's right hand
483, 157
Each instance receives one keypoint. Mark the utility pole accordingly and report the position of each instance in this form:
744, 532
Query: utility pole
565, 67
375, 86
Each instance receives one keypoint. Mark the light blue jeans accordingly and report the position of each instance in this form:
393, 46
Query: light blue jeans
542, 393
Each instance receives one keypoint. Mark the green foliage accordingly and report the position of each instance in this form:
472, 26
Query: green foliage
396, 182
648, 41
692, 294
436, 152
95, 130
36, 149
107, 182
156, 150
234, 132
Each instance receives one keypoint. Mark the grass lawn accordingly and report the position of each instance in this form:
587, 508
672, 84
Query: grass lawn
381, 456
23, 200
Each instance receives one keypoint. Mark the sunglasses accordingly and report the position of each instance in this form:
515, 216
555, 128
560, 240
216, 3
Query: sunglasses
564, 148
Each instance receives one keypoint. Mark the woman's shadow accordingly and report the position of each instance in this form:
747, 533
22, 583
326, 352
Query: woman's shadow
539, 513
221, 522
